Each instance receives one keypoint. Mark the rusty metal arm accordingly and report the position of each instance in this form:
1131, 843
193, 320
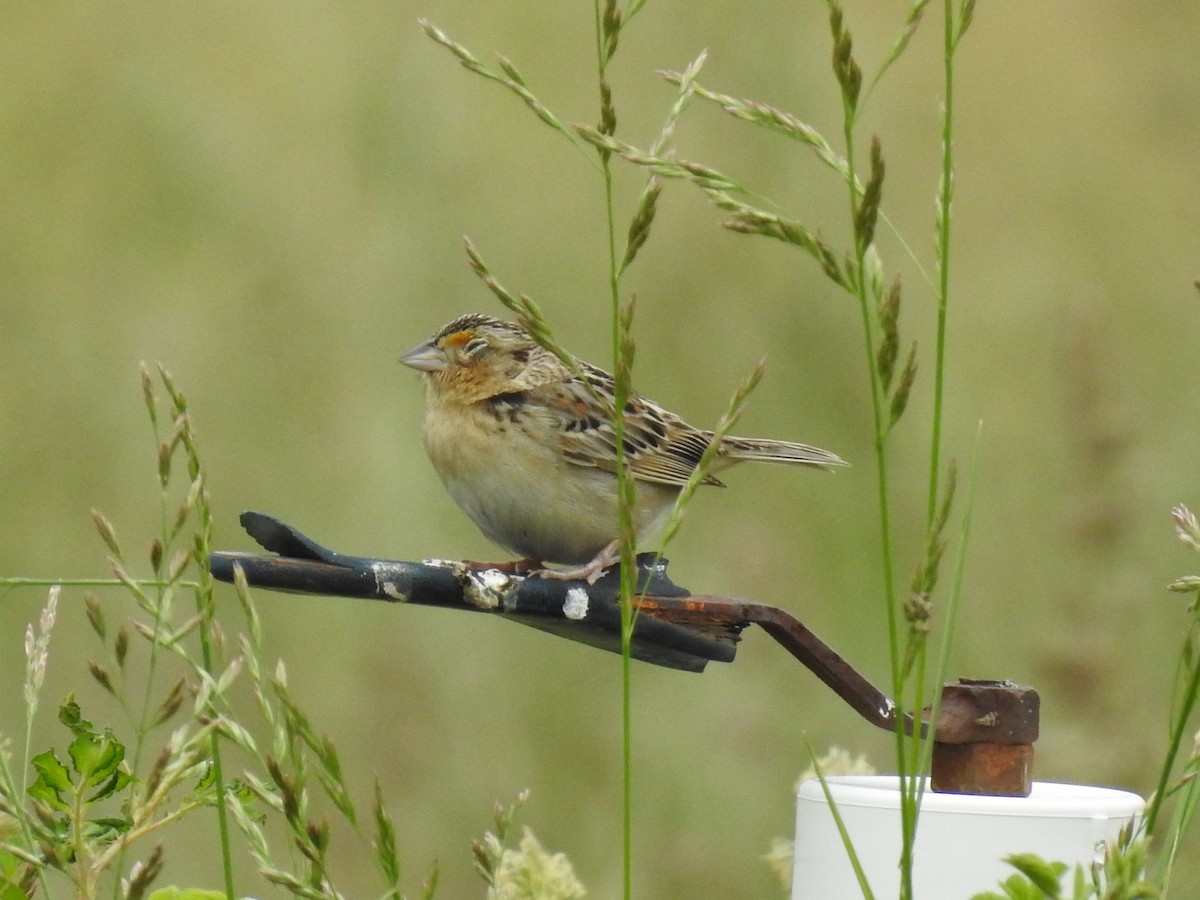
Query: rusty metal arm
983, 736
813, 653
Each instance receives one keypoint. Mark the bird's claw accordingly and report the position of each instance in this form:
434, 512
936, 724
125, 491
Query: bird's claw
589, 572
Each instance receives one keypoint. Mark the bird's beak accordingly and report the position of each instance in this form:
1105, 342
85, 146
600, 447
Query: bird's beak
425, 358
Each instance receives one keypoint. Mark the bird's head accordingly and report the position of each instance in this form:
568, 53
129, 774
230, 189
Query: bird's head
473, 357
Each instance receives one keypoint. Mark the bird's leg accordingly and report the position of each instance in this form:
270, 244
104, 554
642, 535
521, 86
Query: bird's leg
525, 566
589, 572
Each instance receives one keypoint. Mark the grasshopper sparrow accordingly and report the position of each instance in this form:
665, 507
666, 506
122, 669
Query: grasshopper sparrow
527, 448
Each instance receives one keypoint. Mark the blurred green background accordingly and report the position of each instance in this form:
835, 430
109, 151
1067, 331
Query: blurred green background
269, 198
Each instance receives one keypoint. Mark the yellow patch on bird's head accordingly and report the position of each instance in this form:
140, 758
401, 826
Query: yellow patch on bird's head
458, 338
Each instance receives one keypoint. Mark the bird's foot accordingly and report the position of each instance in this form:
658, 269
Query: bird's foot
589, 572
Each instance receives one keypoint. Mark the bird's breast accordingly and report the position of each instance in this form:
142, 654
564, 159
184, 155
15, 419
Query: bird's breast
508, 473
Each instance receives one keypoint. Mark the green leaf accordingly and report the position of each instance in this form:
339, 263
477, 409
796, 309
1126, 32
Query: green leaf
70, 716
96, 756
206, 784
1016, 887
1081, 888
1047, 876
174, 893
115, 784
105, 830
429, 888
52, 782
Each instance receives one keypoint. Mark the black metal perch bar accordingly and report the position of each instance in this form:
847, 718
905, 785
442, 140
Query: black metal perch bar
983, 736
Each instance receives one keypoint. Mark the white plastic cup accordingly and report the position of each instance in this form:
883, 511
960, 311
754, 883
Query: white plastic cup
961, 841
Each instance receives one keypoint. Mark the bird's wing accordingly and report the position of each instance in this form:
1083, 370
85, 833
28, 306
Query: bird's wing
659, 446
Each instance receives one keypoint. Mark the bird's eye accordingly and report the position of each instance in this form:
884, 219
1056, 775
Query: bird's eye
474, 346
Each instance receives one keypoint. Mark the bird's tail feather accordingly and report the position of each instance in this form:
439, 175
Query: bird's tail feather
765, 450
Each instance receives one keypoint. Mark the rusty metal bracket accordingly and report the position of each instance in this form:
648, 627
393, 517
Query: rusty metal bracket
985, 730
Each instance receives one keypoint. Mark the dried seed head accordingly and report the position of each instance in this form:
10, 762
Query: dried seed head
156, 555
885, 357
707, 177
148, 393
610, 28
95, 615
608, 113
836, 761
318, 834
287, 793
889, 343
868, 207
107, 533
154, 779
121, 646
101, 675
164, 463
918, 608
195, 492
845, 69
872, 275
171, 705
177, 398
142, 874
1187, 529
639, 228
530, 861
904, 388
242, 589
37, 648
50, 611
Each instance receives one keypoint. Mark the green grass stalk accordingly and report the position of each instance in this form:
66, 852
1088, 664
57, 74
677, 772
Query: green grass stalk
607, 31
1180, 728
202, 590
207, 609
950, 613
852, 854
921, 754
945, 196
849, 78
38, 655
